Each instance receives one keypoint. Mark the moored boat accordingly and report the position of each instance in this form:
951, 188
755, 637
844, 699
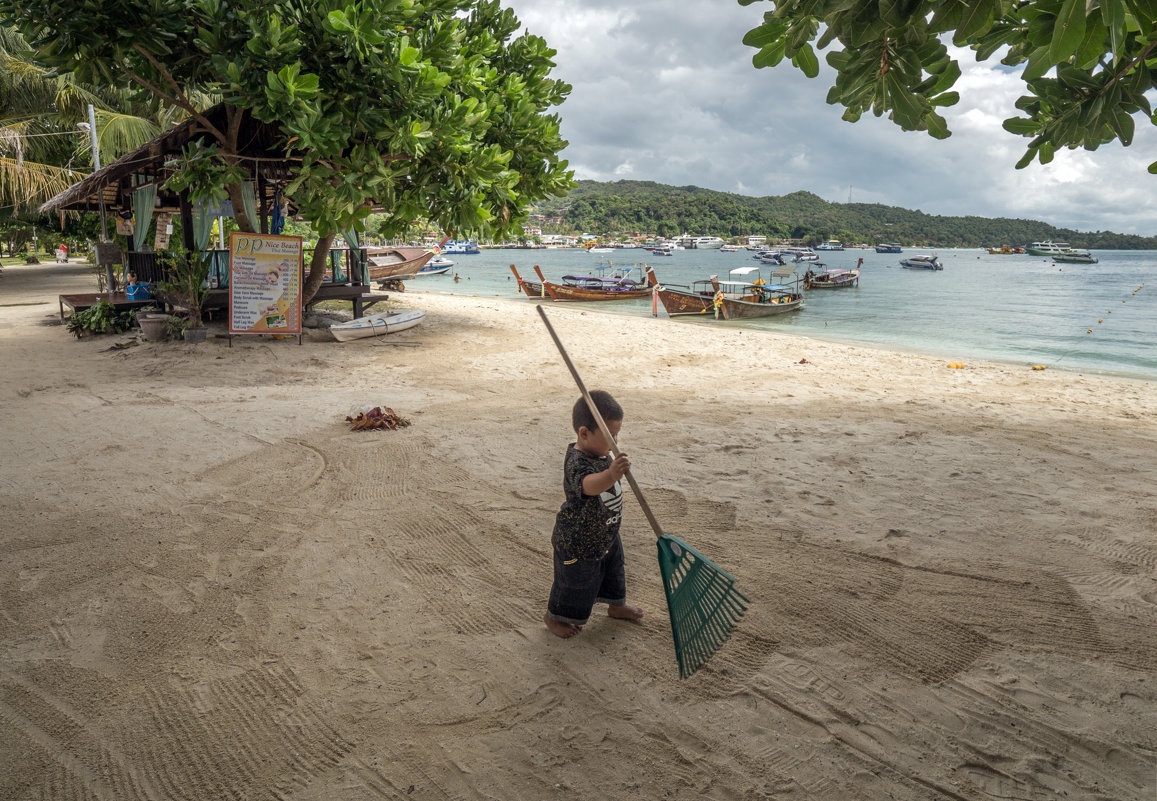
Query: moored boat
371, 325
743, 300
620, 285
462, 247
1005, 250
832, 279
531, 289
888, 247
1076, 257
1048, 248
699, 298
921, 263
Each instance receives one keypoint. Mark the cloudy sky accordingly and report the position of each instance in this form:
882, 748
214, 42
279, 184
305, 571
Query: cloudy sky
665, 91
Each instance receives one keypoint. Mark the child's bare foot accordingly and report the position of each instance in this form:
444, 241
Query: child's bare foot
625, 612
560, 629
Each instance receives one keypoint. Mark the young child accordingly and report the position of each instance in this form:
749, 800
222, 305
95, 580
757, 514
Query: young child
588, 554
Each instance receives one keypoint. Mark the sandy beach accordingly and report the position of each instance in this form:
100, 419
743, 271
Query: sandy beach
213, 589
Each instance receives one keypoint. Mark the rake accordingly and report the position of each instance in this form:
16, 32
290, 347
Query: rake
702, 600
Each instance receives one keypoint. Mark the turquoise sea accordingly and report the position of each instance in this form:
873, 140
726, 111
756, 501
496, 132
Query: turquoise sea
1016, 309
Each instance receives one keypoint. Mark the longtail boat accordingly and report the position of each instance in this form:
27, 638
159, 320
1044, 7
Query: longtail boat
531, 289
699, 298
597, 287
390, 263
832, 279
744, 300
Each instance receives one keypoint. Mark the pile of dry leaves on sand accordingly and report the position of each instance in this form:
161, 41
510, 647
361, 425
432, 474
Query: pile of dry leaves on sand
377, 417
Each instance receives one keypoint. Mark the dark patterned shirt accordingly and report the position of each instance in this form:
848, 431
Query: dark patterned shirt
586, 524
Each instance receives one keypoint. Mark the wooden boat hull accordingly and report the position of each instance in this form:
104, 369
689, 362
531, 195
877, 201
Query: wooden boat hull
837, 283
733, 309
397, 263
387, 322
678, 302
567, 293
532, 290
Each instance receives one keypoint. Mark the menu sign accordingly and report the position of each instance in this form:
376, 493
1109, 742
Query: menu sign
264, 284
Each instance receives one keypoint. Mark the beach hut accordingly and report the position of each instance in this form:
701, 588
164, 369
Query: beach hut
131, 190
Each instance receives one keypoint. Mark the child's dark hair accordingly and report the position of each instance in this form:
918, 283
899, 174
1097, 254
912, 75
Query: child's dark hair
608, 407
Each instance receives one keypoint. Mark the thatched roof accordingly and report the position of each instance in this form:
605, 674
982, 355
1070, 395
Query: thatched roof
145, 165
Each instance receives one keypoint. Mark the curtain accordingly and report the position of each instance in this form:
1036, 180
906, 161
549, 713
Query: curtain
356, 264
249, 203
202, 226
144, 201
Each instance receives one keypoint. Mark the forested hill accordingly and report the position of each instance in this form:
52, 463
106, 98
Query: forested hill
646, 207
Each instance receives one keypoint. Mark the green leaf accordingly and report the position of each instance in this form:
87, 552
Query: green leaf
1038, 64
1021, 126
807, 62
976, 18
937, 126
1068, 31
408, 56
769, 56
945, 99
337, 20
764, 35
1153, 168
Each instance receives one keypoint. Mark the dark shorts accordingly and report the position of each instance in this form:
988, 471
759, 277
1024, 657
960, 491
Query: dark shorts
579, 584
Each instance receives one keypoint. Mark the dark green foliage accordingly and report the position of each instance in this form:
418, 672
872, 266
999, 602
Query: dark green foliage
646, 207
890, 57
101, 318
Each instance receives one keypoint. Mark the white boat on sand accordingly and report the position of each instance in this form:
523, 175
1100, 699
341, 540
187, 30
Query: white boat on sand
387, 322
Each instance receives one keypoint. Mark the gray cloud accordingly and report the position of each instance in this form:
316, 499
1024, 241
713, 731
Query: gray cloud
666, 92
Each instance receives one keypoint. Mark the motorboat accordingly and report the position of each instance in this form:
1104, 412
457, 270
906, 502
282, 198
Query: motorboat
1076, 257
1048, 248
921, 263
888, 247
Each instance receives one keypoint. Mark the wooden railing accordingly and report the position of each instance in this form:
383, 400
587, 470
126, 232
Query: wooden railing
345, 267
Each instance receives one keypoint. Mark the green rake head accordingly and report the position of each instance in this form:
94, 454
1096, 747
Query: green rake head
702, 600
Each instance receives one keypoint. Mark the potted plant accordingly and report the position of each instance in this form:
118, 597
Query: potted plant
153, 322
188, 288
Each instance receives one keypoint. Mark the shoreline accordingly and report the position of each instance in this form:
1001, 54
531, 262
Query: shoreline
834, 340
214, 588
849, 343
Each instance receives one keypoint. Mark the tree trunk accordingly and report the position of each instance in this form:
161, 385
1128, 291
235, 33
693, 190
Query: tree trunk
243, 221
317, 268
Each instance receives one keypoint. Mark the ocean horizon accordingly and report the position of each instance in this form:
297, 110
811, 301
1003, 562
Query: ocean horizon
1015, 309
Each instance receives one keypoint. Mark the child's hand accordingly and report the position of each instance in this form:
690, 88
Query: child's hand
619, 466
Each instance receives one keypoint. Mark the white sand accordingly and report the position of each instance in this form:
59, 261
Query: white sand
211, 588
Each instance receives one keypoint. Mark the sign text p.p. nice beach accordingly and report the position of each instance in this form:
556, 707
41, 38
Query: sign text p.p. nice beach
264, 284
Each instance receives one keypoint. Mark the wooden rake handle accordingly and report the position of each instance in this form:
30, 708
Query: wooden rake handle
602, 423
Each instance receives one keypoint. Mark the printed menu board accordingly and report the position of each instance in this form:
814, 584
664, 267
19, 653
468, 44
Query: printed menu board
264, 284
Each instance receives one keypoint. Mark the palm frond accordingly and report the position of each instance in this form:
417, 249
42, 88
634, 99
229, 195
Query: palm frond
117, 134
30, 183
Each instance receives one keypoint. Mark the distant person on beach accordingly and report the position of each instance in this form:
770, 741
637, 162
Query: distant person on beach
588, 554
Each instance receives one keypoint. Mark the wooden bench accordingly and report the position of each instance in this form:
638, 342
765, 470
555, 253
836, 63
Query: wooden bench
119, 300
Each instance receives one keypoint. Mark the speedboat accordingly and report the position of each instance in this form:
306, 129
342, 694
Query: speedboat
1076, 257
888, 247
921, 263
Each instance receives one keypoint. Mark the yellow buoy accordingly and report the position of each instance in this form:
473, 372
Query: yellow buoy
1038, 367
955, 365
